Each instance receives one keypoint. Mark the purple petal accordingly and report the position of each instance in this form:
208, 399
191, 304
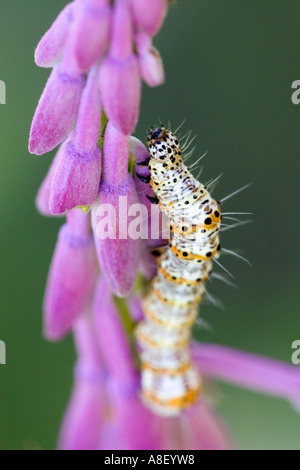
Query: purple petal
70, 284
249, 371
200, 428
86, 342
76, 179
119, 79
56, 112
43, 195
114, 346
90, 32
79, 223
83, 422
50, 48
109, 436
151, 65
89, 114
140, 152
117, 251
115, 156
149, 19
120, 87
148, 263
139, 429
121, 44
136, 309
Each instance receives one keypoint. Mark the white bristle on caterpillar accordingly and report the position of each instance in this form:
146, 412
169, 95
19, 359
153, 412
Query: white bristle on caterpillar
170, 382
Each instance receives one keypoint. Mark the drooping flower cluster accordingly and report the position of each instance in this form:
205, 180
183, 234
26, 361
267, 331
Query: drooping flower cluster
91, 47
100, 51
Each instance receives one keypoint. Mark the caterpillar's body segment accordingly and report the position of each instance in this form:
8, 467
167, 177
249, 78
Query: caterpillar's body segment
170, 383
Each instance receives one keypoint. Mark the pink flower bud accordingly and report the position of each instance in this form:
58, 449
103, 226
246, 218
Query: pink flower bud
148, 263
118, 252
89, 114
143, 432
56, 112
149, 16
77, 176
114, 346
151, 65
84, 419
76, 179
71, 280
248, 370
86, 341
115, 156
199, 428
83, 422
50, 48
43, 195
90, 32
119, 79
136, 308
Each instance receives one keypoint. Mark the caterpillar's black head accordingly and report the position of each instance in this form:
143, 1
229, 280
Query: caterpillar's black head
156, 134
162, 144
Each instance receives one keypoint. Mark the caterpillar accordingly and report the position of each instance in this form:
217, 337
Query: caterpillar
170, 382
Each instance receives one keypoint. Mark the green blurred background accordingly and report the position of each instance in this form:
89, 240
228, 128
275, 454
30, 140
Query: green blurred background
229, 65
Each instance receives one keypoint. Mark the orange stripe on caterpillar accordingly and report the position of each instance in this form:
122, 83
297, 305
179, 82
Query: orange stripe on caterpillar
192, 257
180, 280
181, 370
179, 403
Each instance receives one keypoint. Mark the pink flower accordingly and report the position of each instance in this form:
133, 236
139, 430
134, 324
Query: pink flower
117, 251
151, 65
120, 81
43, 195
248, 370
137, 428
91, 46
87, 33
83, 420
56, 113
51, 47
200, 428
90, 32
76, 179
149, 19
72, 277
